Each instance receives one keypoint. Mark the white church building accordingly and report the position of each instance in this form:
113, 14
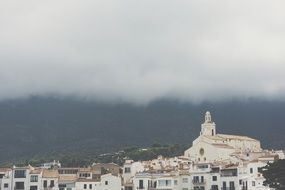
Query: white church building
211, 146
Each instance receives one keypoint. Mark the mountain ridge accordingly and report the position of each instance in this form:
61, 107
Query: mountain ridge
46, 124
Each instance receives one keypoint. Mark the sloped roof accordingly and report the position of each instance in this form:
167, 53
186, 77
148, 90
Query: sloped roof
67, 178
87, 180
50, 173
36, 171
5, 169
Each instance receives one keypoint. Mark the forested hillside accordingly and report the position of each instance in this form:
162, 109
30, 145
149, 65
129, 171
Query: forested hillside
40, 125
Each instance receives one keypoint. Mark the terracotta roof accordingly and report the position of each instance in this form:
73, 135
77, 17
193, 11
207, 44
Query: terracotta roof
230, 166
50, 173
36, 171
5, 169
87, 180
67, 178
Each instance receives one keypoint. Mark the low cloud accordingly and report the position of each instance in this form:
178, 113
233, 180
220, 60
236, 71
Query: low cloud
139, 51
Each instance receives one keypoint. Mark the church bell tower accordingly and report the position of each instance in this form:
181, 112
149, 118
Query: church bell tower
208, 127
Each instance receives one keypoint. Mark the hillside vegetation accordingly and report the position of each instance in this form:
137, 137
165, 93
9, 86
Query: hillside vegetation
58, 126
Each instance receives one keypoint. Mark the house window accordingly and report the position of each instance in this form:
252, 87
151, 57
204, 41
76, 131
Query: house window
232, 185
140, 184
199, 188
84, 175
196, 179
167, 182
34, 178
20, 174
106, 182
19, 185
45, 183
90, 186
253, 183
184, 180
34, 187
6, 185
214, 178
224, 185
175, 182
127, 170
85, 186
62, 186
251, 170
163, 183
51, 183
214, 187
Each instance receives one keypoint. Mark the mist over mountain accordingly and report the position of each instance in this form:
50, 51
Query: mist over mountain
40, 125
139, 52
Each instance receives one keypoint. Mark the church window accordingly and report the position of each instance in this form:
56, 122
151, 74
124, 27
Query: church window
201, 151
127, 170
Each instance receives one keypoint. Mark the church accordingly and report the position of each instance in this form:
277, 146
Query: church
213, 147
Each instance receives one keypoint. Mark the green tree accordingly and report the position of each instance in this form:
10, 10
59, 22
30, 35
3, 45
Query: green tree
274, 174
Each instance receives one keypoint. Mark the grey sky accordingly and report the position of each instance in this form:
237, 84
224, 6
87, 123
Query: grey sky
138, 51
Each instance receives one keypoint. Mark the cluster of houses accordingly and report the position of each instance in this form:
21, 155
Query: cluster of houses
51, 176
214, 162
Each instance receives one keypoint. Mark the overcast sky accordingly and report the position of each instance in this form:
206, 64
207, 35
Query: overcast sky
139, 51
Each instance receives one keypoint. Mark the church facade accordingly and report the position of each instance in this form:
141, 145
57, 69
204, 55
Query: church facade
211, 146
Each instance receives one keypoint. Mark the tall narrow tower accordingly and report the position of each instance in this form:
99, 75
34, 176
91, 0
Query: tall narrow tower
208, 127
